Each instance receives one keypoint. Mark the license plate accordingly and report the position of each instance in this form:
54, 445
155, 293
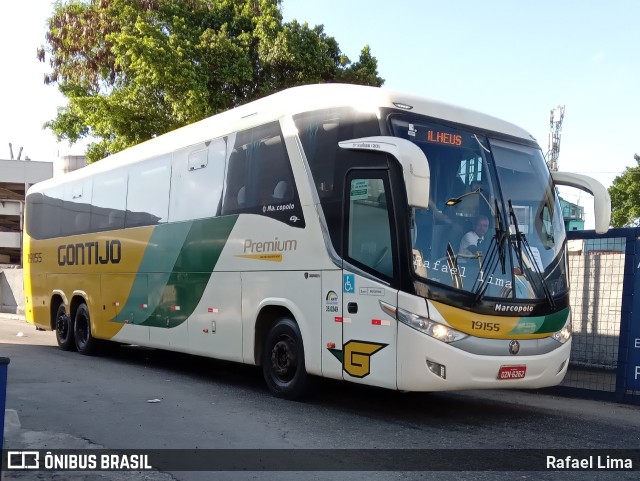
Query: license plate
512, 372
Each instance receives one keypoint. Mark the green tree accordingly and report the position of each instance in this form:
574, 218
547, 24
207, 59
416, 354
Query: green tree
135, 69
625, 197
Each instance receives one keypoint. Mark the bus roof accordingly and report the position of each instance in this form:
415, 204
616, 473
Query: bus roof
290, 102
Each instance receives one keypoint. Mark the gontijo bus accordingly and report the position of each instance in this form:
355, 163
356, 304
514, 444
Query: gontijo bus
316, 232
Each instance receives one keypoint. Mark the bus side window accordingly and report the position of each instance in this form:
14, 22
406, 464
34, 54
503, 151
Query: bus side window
76, 208
259, 172
234, 196
45, 210
109, 201
319, 132
197, 176
148, 192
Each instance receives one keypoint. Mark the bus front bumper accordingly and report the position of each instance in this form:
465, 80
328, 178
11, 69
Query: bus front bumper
426, 364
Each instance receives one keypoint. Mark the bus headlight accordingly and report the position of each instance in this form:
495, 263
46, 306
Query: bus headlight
564, 334
430, 328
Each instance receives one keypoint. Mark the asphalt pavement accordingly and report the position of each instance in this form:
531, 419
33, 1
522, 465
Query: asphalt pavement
144, 398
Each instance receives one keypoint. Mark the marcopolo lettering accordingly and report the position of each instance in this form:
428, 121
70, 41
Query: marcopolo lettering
107, 252
505, 308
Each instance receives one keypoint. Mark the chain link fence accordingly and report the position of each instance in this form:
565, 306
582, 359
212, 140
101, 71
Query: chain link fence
605, 349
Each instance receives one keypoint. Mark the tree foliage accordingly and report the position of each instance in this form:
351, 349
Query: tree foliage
135, 69
625, 197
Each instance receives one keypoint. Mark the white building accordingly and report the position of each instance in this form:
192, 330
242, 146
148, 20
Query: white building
16, 176
68, 163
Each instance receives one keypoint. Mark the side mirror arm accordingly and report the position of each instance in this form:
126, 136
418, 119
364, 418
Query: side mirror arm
601, 199
415, 167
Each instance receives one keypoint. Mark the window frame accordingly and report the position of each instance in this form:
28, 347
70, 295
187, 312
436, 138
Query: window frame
384, 176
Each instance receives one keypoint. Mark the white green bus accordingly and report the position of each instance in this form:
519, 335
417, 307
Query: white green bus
317, 232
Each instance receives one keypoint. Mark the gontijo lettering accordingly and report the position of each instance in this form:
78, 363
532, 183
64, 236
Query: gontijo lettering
109, 252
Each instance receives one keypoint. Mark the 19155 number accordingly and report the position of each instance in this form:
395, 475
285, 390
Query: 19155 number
485, 326
34, 257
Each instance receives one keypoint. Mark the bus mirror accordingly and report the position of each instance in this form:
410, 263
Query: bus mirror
415, 167
601, 199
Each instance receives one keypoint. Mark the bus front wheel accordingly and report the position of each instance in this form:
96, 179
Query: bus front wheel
85, 343
283, 361
64, 329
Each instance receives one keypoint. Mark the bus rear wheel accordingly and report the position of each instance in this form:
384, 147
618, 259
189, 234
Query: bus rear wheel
283, 361
64, 330
85, 343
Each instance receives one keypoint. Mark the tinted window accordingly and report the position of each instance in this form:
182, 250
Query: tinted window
319, 134
109, 201
44, 212
462, 193
369, 229
196, 180
76, 208
148, 193
259, 178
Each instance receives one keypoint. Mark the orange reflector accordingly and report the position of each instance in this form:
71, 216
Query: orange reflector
331, 345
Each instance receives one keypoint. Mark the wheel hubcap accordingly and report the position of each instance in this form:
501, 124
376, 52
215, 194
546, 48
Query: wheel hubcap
283, 359
62, 326
82, 330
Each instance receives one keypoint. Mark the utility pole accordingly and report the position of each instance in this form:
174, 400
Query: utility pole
557, 115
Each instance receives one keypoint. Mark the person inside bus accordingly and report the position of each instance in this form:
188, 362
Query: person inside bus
471, 243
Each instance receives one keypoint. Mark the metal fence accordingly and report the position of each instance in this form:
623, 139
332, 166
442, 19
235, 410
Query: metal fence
605, 355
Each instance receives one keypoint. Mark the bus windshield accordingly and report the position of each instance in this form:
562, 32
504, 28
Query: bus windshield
493, 227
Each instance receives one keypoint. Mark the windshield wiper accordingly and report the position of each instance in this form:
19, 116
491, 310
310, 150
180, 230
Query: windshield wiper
452, 262
521, 240
502, 236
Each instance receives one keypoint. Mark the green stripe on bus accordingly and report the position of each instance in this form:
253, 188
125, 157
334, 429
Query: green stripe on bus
556, 321
541, 324
175, 271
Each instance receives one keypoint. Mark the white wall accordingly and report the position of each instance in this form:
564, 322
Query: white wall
596, 305
11, 291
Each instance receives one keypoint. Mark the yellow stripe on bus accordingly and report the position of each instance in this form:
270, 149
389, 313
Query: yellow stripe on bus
483, 325
107, 261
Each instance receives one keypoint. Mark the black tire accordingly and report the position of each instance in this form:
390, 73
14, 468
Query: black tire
85, 343
64, 330
283, 361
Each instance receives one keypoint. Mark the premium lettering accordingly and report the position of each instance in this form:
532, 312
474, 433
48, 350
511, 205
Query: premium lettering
88, 253
270, 246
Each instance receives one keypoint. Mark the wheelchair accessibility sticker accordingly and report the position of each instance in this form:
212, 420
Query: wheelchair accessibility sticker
349, 283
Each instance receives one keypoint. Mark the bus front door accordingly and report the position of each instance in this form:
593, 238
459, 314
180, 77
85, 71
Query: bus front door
369, 332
